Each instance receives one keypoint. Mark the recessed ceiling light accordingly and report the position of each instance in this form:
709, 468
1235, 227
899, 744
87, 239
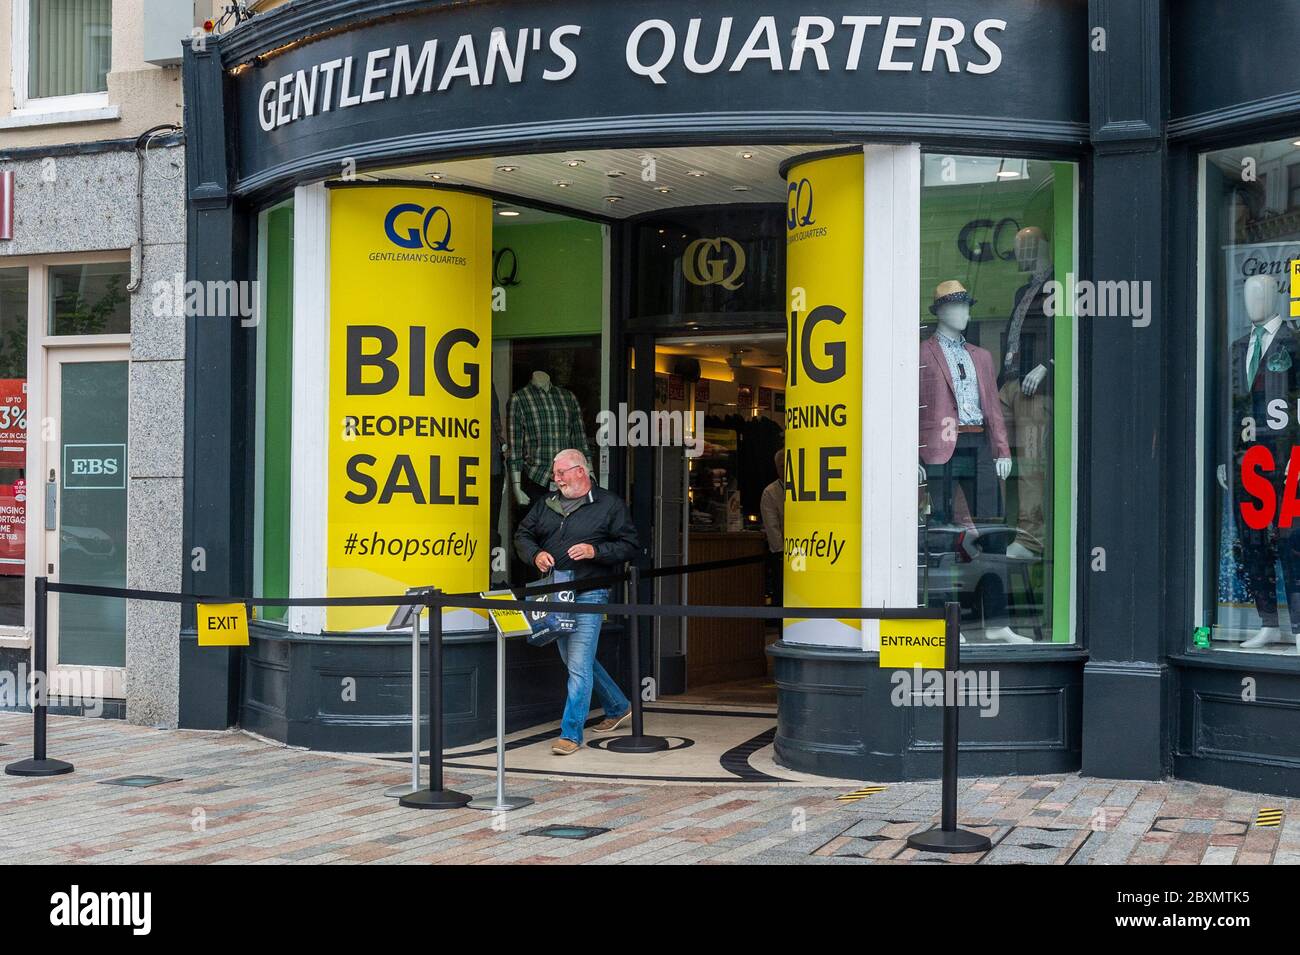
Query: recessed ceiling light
740, 188
696, 173
507, 212
664, 190
613, 199
615, 174
746, 155
562, 183
575, 163
661, 231
506, 168
435, 175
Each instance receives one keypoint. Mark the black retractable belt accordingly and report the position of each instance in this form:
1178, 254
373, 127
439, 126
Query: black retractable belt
435, 797
39, 765
638, 742
948, 838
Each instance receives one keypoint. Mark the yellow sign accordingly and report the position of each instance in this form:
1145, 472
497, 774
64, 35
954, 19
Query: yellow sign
823, 399
905, 644
222, 625
410, 352
509, 623
1295, 288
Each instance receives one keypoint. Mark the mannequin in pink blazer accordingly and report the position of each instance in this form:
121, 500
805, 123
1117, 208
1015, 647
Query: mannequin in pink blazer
938, 400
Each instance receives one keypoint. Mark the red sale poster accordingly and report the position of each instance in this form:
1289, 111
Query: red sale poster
13, 527
13, 422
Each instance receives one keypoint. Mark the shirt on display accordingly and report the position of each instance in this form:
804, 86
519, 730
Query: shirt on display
543, 422
964, 383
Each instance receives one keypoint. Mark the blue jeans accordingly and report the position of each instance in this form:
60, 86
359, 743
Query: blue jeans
578, 651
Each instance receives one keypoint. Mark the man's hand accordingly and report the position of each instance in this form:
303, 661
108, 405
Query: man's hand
581, 552
544, 561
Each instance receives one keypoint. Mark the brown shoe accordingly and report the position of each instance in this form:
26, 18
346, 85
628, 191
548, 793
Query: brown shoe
564, 747
611, 723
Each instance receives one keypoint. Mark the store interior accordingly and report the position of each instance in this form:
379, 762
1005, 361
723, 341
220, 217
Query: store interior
718, 348
698, 284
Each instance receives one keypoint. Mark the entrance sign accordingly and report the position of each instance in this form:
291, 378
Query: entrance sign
409, 416
509, 623
905, 644
823, 412
222, 625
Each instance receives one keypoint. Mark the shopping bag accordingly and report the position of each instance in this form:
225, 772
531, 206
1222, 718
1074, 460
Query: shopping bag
548, 623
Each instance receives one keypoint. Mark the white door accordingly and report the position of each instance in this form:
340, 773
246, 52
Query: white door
82, 501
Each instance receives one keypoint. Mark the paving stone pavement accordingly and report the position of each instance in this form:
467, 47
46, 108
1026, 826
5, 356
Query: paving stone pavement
242, 800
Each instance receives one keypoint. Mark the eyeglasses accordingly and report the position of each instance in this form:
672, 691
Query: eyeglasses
560, 472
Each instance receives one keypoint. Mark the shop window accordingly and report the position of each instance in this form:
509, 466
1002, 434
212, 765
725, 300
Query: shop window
90, 299
274, 406
13, 443
547, 370
996, 416
1250, 243
68, 49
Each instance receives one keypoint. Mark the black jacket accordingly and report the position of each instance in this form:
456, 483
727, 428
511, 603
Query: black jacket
602, 520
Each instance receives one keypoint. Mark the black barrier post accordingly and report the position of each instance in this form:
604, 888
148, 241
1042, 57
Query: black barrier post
948, 838
638, 742
435, 797
38, 765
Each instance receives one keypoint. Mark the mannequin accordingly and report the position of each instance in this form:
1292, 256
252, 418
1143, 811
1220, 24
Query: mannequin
1026, 390
963, 437
544, 420
1272, 351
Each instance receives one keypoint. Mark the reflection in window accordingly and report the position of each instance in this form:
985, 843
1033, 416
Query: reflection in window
1251, 238
90, 299
13, 443
995, 395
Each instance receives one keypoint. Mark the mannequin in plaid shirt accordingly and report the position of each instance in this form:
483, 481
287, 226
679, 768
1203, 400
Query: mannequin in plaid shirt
544, 420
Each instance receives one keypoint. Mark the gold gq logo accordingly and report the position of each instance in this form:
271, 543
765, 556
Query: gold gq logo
705, 262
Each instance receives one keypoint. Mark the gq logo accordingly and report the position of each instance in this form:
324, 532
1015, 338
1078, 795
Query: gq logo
433, 231
705, 262
799, 205
975, 248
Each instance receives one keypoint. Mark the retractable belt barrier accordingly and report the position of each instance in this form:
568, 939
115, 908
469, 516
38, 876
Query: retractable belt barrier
947, 838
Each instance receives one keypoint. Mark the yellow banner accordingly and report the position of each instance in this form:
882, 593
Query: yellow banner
905, 644
410, 411
222, 625
823, 399
1295, 288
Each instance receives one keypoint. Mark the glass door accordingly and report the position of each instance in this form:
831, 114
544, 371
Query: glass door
85, 517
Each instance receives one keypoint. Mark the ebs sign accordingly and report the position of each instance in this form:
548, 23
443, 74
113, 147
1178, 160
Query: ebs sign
425, 235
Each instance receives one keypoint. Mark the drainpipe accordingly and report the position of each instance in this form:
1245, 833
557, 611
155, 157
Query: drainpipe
141, 153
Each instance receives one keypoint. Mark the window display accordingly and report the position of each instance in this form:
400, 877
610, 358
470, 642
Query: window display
1251, 238
995, 427
547, 370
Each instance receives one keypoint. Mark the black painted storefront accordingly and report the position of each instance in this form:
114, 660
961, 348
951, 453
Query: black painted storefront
1127, 699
